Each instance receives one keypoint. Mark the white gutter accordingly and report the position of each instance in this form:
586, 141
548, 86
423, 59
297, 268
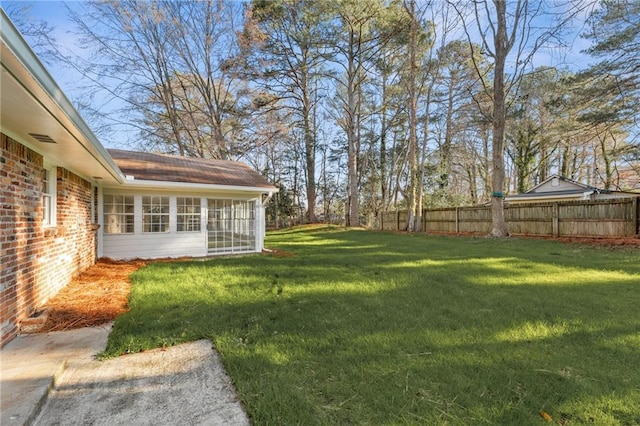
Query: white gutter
154, 184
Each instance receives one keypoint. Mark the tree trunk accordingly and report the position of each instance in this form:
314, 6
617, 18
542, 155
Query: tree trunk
499, 225
445, 152
310, 156
608, 169
412, 222
353, 209
423, 156
383, 145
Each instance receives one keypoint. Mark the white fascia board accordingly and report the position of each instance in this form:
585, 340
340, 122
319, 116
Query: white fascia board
12, 38
579, 196
152, 184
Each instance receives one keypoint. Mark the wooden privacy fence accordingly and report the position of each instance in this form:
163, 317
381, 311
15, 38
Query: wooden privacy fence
611, 218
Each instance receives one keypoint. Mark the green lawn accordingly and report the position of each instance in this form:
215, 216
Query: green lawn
359, 327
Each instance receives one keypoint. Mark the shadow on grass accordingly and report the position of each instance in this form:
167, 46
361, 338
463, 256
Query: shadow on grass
406, 329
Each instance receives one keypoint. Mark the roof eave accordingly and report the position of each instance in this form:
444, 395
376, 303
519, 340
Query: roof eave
48, 88
154, 184
577, 195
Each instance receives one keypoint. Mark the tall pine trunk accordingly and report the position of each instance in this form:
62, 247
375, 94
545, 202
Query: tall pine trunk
499, 225
413, 221
353, 209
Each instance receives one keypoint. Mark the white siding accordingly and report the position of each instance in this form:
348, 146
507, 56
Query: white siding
260, 226
153, 246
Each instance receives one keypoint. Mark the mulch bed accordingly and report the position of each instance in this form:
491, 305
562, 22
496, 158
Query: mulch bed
603, 242
96, 296
607, 242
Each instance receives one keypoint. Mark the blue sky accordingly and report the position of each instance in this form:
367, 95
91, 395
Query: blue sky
55, 13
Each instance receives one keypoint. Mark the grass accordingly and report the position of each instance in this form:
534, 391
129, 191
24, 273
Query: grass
359, 327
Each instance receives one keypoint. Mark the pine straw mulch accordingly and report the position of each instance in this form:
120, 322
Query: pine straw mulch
607, 242
96, 296
278, 253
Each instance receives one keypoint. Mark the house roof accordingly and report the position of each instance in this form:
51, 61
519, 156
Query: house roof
170, 168
559, 187
579, 187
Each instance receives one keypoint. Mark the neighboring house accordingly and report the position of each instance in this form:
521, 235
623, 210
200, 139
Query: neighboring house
558, 188
66, 201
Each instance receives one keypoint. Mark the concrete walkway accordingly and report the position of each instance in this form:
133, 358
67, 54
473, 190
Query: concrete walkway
54, 379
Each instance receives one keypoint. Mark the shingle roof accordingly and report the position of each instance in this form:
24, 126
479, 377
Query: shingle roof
171, 168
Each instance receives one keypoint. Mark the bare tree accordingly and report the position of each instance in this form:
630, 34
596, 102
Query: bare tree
38, 32
413, 221
169, 67
509, 32
206, 46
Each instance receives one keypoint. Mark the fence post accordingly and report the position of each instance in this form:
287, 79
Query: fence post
424, 220
555, 226
636, 216
397, 220
457, 220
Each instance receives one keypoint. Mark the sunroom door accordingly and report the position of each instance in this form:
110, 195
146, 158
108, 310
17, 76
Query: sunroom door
231, 226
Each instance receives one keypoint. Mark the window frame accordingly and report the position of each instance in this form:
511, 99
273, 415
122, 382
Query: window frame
49, 199
185, 218
127, 211
160, 218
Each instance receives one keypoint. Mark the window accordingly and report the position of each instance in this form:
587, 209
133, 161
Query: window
188, 214
48, 197
118, 214
155, 214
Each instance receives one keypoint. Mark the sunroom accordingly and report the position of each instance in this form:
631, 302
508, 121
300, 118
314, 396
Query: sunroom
176, 207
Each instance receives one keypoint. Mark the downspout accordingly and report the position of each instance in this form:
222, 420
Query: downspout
264, 214
266, 200
263, 221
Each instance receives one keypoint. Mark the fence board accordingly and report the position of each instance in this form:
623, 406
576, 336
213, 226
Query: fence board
611, 218
440, 220
389, 221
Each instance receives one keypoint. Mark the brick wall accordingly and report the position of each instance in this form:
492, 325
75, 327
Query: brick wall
37, 261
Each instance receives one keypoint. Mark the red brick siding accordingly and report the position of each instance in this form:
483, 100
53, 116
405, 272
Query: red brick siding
37, 261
